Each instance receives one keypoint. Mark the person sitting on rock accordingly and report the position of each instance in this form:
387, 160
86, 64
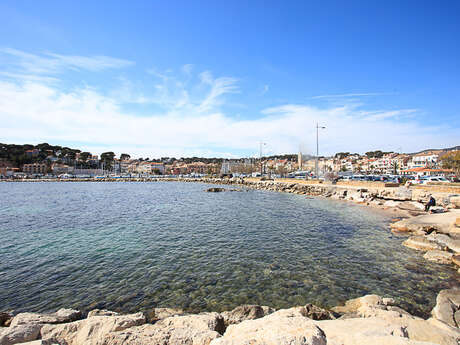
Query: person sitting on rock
431, 202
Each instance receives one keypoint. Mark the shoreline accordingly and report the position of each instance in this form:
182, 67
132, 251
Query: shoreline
390, 200
370, 319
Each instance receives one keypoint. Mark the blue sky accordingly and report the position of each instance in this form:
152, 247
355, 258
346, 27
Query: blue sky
214, 78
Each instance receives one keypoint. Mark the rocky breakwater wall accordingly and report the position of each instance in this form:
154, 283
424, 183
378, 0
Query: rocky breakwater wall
402, 198
365, 320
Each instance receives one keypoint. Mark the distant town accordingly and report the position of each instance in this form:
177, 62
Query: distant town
22, 161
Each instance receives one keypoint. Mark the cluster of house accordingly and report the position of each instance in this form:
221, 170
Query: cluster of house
424, 163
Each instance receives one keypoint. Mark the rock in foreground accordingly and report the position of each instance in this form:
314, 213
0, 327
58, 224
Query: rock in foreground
366, 320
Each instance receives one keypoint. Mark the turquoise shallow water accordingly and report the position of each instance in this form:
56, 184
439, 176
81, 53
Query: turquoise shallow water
134, 246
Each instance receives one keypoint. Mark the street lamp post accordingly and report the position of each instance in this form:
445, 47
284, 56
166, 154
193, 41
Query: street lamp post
260, 155
317, 149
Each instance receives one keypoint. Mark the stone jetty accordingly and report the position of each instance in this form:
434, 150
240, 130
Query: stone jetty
366, 320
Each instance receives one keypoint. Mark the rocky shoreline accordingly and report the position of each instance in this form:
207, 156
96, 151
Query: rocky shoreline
437, 234
366, 320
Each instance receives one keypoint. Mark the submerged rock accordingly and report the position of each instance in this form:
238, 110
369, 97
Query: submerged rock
215, 190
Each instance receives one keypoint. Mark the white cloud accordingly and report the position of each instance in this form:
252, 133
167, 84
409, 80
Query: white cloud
346, 95
187, 119
33, 112
50, 63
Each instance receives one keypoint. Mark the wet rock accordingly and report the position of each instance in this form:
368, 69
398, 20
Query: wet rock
245, 312
90, 331
162, 313
316, 313
19, 334
439, 256
421, 243
198, 329
215, 190
61, 316
5, 319
273, 329
447, 307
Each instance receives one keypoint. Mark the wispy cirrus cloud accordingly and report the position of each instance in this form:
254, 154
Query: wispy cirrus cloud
51, 63
347, 95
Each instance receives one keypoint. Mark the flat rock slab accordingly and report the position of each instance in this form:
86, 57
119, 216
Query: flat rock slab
441, 222
198, 329
439, 256
421, 243
61, 316
273, 329
445, 241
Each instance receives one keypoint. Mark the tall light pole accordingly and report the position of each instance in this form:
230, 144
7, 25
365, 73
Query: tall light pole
317, 149
260, 155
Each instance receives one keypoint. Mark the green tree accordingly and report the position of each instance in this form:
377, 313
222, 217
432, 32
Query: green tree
125, 157
451, 160
107, 159
84, 156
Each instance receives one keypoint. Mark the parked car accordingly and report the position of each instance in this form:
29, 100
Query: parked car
435, 179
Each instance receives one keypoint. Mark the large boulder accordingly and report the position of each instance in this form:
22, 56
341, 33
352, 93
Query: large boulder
90, 331
19, 334
245, 312
445, 241
447, 307
360, 304
387, 330
198, 329
274, 329
421, 243
61, 316
370, 306
439, 256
